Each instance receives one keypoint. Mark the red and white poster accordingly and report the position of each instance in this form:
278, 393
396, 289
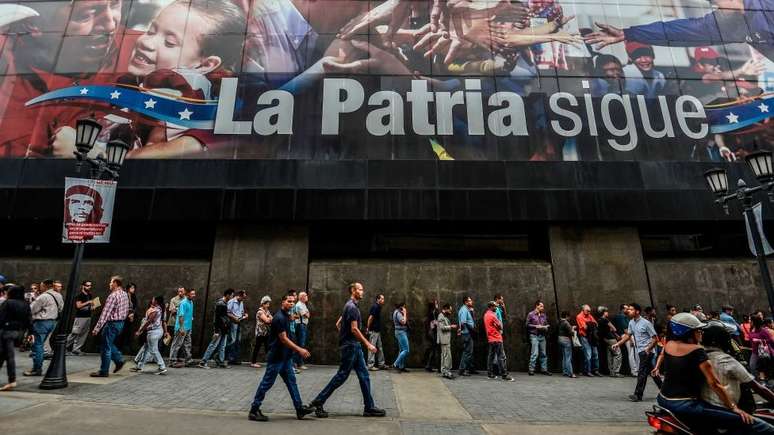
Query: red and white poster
88, 210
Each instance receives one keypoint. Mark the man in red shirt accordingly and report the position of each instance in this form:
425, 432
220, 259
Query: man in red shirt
587, 333
495, 364
69, 43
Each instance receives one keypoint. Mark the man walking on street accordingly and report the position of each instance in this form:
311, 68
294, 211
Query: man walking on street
45, 313
172, 308
621, 322
82, 321
110, 323
183, 326
374, 332
350, 339
220, 329
645, 339
495, 366
280, 362
537, 326
302, 327
237, 314
467, 329
445, 327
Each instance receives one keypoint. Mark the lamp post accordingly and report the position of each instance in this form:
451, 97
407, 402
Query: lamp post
86, 133
760, 162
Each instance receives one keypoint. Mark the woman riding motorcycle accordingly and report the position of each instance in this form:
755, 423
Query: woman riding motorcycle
686, 369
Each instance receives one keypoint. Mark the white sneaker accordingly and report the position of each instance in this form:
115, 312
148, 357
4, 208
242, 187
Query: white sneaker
161, 372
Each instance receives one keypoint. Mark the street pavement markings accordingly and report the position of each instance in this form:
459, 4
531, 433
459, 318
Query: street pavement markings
423, 396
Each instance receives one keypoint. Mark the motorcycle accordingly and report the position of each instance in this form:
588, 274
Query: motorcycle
664, 421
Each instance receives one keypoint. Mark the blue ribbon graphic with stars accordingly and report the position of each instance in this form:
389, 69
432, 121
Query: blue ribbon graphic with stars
740, 115
200, 116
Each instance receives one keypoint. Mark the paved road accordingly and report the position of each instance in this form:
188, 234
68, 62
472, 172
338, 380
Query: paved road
196, 401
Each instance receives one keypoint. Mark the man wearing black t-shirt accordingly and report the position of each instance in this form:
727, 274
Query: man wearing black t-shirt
374, 332
82, 321
279, 360
350, 339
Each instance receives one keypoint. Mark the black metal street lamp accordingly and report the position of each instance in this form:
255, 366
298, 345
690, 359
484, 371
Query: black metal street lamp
760, 162
86, 133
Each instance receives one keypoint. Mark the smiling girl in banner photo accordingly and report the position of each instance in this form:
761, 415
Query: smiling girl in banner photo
180, 55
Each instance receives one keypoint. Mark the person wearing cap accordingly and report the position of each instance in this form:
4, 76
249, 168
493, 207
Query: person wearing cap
221, 326
731, 373
642, 332
262, 324
687, 369
641, 76
755, 17
727, 317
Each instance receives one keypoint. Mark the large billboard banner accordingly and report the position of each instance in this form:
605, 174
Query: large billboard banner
553, 80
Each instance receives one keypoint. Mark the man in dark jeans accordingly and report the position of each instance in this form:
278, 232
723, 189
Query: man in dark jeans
643, 334
352, 357
280, 363
467, 329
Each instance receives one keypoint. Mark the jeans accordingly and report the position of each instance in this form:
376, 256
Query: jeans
566, 344
109, 351
216, 347
80, 331
180, 341
152, 349
538, 351
285, 370
614, 357
232, 345
41, 329
301, 336
376, 358
495, 363
466, 361
643, 371
710, 417
403, 344
351, 358
590, 356
7, 339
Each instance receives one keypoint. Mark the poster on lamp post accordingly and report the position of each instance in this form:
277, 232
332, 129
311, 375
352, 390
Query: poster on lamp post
88, 210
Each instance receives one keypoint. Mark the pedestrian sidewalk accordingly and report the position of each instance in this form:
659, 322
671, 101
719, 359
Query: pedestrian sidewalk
416, 402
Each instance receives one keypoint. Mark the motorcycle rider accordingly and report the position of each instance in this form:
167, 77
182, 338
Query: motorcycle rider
736, 380
687, 369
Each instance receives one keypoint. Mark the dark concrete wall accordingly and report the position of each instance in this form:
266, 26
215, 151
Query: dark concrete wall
260, 259
415, 282
709, 282
598, 266
153, 278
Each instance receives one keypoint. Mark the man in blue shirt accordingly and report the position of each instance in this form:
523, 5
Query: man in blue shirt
237, 314
183, 327
733, 21
280, 362
727, 317
467, 329
644, 336
350, 339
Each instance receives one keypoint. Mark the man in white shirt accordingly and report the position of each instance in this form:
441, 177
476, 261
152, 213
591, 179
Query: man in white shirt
302, 325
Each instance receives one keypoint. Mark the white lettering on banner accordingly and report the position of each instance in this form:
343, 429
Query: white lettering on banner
698, 113
333, 105
505, 112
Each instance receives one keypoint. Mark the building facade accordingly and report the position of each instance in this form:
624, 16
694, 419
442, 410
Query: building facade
542, 150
